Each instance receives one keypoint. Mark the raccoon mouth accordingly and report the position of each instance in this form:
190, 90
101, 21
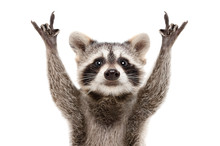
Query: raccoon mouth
111, 83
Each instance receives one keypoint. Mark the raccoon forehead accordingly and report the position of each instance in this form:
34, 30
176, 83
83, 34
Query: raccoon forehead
126, 53
108, 50
92, 52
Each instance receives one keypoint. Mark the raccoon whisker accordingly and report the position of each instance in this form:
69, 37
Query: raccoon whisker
132, 69
89, 73
88, 77
85, 79
87, 83
136, 82
132, 74
92, 68
133, 77
89, 91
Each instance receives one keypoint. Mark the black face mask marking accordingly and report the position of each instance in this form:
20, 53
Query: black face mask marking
91, 70
131, 71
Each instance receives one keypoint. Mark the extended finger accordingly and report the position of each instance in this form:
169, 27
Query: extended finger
36, 27
52, 17
181, 27
166, 18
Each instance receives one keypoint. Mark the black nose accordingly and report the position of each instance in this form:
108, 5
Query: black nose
112, 74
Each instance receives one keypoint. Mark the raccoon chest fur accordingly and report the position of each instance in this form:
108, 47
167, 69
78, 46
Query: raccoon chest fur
106, 120
106, 111
104, 136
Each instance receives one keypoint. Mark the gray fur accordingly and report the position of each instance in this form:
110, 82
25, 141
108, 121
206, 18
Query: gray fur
107, 120
111, 57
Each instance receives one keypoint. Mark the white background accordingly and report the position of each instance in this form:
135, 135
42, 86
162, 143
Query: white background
190, 115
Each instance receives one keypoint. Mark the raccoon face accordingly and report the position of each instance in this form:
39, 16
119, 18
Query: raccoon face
110, 68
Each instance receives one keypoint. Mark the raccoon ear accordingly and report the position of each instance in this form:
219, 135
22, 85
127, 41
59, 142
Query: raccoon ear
79, 42
140, 43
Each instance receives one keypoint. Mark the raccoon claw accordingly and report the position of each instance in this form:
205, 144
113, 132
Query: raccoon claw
171, 29
46, 28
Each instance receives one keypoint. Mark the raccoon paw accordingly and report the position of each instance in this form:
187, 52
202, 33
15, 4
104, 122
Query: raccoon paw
171, 29
171, 32
47, 32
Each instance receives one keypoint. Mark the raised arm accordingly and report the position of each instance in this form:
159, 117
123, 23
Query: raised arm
64, 93
154, 91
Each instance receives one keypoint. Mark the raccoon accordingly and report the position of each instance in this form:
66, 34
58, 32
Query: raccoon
113, 102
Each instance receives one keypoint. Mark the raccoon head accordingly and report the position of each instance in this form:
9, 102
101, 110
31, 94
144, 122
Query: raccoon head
110, 68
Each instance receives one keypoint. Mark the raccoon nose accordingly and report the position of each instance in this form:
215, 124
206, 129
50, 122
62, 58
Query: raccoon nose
112, 74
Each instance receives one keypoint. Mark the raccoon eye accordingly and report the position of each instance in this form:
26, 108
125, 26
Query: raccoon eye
123, 62
99, 62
